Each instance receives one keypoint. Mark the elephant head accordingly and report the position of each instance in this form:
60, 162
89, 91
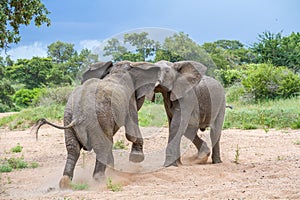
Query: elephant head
97, 70
144, 76
179, 77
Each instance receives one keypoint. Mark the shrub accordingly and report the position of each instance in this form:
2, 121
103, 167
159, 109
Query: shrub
5, 167
25, 97
17, 149
17, 163
49, 96
266, 81
229, 76
115, 187
235, 93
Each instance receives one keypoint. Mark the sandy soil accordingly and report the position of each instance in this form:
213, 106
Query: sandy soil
269, 168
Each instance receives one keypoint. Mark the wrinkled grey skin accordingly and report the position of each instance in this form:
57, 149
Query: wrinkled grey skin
97, 109
192, 101
97, 70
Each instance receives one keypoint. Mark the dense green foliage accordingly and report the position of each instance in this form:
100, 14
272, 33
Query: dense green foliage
279, 50
268, 70
14, 13
264, 81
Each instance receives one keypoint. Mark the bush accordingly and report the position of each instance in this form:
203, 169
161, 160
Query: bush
265, 81
17, 149
49, 96
229, 77
25, 97
235, 93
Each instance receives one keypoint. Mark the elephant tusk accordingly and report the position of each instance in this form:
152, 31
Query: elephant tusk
157, 83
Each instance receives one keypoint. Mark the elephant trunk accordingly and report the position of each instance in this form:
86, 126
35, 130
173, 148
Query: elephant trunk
43, 121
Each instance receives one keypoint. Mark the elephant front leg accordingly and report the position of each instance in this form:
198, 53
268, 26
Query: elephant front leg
134, 135
73, 149
177, 128
99, 171
137, 154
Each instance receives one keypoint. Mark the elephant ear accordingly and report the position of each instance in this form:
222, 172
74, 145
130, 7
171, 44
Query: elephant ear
189, 75
145, 76
97, 70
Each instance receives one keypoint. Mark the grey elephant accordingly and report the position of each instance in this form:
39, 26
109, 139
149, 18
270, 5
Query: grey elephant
97, 70
98, 108
192, 101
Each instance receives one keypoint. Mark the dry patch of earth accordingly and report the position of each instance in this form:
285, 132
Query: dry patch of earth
269, 168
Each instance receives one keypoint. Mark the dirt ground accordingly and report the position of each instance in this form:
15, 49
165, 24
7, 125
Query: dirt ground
269, 168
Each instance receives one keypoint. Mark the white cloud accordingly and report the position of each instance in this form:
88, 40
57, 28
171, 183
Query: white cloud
27, 51
89, 44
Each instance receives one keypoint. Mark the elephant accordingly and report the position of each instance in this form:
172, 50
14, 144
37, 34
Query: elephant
97, 70
98, 108
192, 101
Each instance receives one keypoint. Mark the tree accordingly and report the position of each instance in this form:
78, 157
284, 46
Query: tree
290, 46
228, 53
162, 54
32, 73
61, 52
14, 13
114, 49
67, 62
6, 90
267, 48
278, 50
144, 46
184, 48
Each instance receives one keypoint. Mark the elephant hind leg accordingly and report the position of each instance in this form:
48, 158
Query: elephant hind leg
203, 151
73, 149
104, 156
215, 135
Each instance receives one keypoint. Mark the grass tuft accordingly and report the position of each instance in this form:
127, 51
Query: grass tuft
79, 186
115, 187
17, 149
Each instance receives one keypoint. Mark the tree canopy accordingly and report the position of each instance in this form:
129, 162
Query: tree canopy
14, 13
268, 68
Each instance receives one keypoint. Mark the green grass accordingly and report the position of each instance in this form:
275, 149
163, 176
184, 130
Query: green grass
115, 187
268, 114
119, 144
28, 117
8, 164
279, 114
17, 149
79, 186
152, 115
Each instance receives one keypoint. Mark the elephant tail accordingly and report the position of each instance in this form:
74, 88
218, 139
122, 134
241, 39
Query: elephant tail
43, 121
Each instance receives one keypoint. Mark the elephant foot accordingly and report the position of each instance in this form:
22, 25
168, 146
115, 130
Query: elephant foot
176, 163
202, 157
136, 156
99, 176
216, 161
65, 183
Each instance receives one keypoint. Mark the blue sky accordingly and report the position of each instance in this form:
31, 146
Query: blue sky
86, 23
